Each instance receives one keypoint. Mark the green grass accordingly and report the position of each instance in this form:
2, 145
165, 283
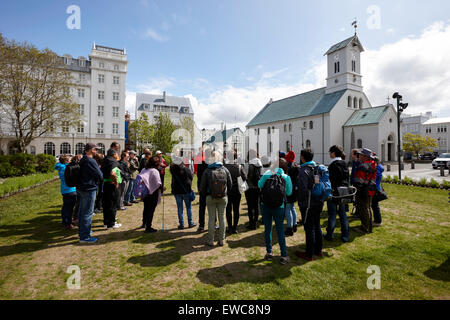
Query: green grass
14, 184
412, 249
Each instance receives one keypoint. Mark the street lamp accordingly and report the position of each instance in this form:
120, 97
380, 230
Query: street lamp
400, 108
303, 129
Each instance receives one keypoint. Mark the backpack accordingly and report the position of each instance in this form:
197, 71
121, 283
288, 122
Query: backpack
321, 191
273, 192
218, 183
72, 174
256, 175
140, 189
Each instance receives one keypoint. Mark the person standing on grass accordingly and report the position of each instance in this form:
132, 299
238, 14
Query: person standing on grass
310, 207
181, 189
69, 194
111, 182
291, 214
275, 187
162, 166
234, 198
216, 183
252, 194
365, 183
126, 176
98, 199
134, 167
144, 158
375, 204
76, 159
201, 167
152, 180
90, 176
339, 177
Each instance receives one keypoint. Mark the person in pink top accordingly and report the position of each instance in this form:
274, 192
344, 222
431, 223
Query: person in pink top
152, 180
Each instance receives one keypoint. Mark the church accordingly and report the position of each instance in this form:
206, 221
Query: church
339, 113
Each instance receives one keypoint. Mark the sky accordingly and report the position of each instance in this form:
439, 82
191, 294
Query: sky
231, 57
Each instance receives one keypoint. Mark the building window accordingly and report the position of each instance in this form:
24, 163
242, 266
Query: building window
82, 62
79, 148
355, 102
81, 109
115, 80
81, 76
33, 150
311, 125
268, 130
256, 131
101, 78
349, 102
100, 127
337, 67
101, 95
101, 65
80, 128
49, 148
116, 67
305, 124
80, 93
65, 127
308, 144
101, 148
360, 103
115, 112
290, 127
270, 147
115, 96
65, 148
360, 144
100, 111
115, 128
353, 65
285, 128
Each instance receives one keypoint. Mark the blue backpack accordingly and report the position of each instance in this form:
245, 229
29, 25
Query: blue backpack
322, 191
140, 189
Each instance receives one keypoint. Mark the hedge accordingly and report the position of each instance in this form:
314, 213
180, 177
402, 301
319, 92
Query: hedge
23, 164
419, 183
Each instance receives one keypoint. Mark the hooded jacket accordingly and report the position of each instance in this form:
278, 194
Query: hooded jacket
280, 172
253, 164
61, 168
339, 175
207, 178
90, 174
181, 179
109, 163
305, 183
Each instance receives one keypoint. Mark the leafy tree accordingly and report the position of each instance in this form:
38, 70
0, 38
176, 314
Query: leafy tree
188, 124
415, 143
34, 92
162, 134
141, 132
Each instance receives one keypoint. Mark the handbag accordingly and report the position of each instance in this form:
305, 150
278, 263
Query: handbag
346, 195
242, 185
191, 194
380, 195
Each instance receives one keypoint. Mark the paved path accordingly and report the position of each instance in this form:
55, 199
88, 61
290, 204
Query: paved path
422, 170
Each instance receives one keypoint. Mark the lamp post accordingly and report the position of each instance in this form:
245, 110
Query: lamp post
303, 129
400, 108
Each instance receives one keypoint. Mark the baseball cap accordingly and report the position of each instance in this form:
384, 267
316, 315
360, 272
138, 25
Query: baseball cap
158, 152
132, 151
90, 146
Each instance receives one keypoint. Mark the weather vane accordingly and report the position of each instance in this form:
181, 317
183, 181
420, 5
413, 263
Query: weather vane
355, 25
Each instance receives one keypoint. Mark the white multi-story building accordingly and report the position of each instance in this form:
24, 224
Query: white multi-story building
413, 123
99, 91
439, 129
177, 108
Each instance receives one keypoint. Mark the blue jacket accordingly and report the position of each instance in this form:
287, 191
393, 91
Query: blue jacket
90, 174
380, 170
280, 172
355, 165
64, 188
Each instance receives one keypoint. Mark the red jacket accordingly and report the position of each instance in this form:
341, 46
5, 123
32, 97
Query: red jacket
163, 166
366, 176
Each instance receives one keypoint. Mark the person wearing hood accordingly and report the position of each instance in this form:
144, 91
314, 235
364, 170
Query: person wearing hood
69, 194
291, 214
270, 214
216, 184
339, 177
375, 204
252, 194
111, 181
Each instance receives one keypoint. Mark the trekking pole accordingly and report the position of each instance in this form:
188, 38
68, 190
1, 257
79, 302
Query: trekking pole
163, 213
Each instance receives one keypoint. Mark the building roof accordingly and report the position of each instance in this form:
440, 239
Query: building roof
218, 136
437, 121
303, 105
345, 43
367, 116
157, 99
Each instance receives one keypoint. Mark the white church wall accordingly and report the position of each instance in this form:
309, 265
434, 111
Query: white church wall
367, 133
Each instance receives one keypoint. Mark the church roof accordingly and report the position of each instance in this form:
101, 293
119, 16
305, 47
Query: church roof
345, 43
218, 135
303, 105
367, 116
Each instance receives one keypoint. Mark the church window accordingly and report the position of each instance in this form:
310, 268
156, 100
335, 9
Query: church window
360, 103
337, 67
311, 125
285, 128
290, 127
349, 102
360, 143
355, 102
308, 144
268, 130
353, 65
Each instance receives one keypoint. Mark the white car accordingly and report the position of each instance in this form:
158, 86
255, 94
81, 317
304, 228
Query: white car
442, 160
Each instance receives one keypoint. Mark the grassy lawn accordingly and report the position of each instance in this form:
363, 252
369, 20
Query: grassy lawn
412, 250
14, 184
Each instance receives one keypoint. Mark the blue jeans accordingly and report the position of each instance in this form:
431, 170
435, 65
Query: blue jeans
291, 215
69, 201
129, 196
180, 198
87, 200
270, 214
334, 208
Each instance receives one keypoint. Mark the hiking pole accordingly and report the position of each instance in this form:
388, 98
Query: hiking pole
163, 212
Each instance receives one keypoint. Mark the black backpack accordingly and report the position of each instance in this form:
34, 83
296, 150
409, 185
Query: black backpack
218, 183
273, 192
72, 174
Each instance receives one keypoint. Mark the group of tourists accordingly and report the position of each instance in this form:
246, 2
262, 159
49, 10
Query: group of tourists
120, 179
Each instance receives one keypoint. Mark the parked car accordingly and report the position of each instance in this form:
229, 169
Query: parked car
427, 156
442, 160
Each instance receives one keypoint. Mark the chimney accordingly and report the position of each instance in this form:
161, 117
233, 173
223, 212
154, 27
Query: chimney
164, 96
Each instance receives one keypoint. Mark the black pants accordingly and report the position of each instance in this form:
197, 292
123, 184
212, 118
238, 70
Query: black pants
376, 211
234, 201
150, 203
202, 210
69, 201
98, 199
109, 201
252, 196
313, 231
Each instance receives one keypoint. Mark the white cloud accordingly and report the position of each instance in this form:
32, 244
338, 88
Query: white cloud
155, 85
150, 33
130, 103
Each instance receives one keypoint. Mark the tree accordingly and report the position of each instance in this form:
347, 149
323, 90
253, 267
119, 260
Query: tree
415, 143
162, 134
141, 132
188, 124
34, 92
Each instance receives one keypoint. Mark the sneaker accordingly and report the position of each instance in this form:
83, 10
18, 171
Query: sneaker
344, 240
221, 243
151, 230
180, 228
288, 232
115, 226
376, 224
268, 256
294, 228
210, 244
192, 225
90, 240
134, 201
326, 237
302, 255
69, 227
123, 208
234, 231
200, 229
284, 260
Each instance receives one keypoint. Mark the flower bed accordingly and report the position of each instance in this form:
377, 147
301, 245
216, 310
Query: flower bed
418, 183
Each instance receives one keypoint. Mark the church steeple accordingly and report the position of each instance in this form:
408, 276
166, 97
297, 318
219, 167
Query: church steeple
344, 65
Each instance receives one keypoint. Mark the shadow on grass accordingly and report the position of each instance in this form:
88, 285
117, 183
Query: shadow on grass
441, 273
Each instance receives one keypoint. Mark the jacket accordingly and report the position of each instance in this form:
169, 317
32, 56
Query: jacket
293, 174
201, 168
109, 163
125, 170
253, 164
280, 172
207, 178
236, 171
90, 174
338, 174
181, 179
305, 184
134, 168
380, 170
365, 178
61, 168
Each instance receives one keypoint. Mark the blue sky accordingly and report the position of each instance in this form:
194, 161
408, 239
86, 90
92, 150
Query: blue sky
204, 48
